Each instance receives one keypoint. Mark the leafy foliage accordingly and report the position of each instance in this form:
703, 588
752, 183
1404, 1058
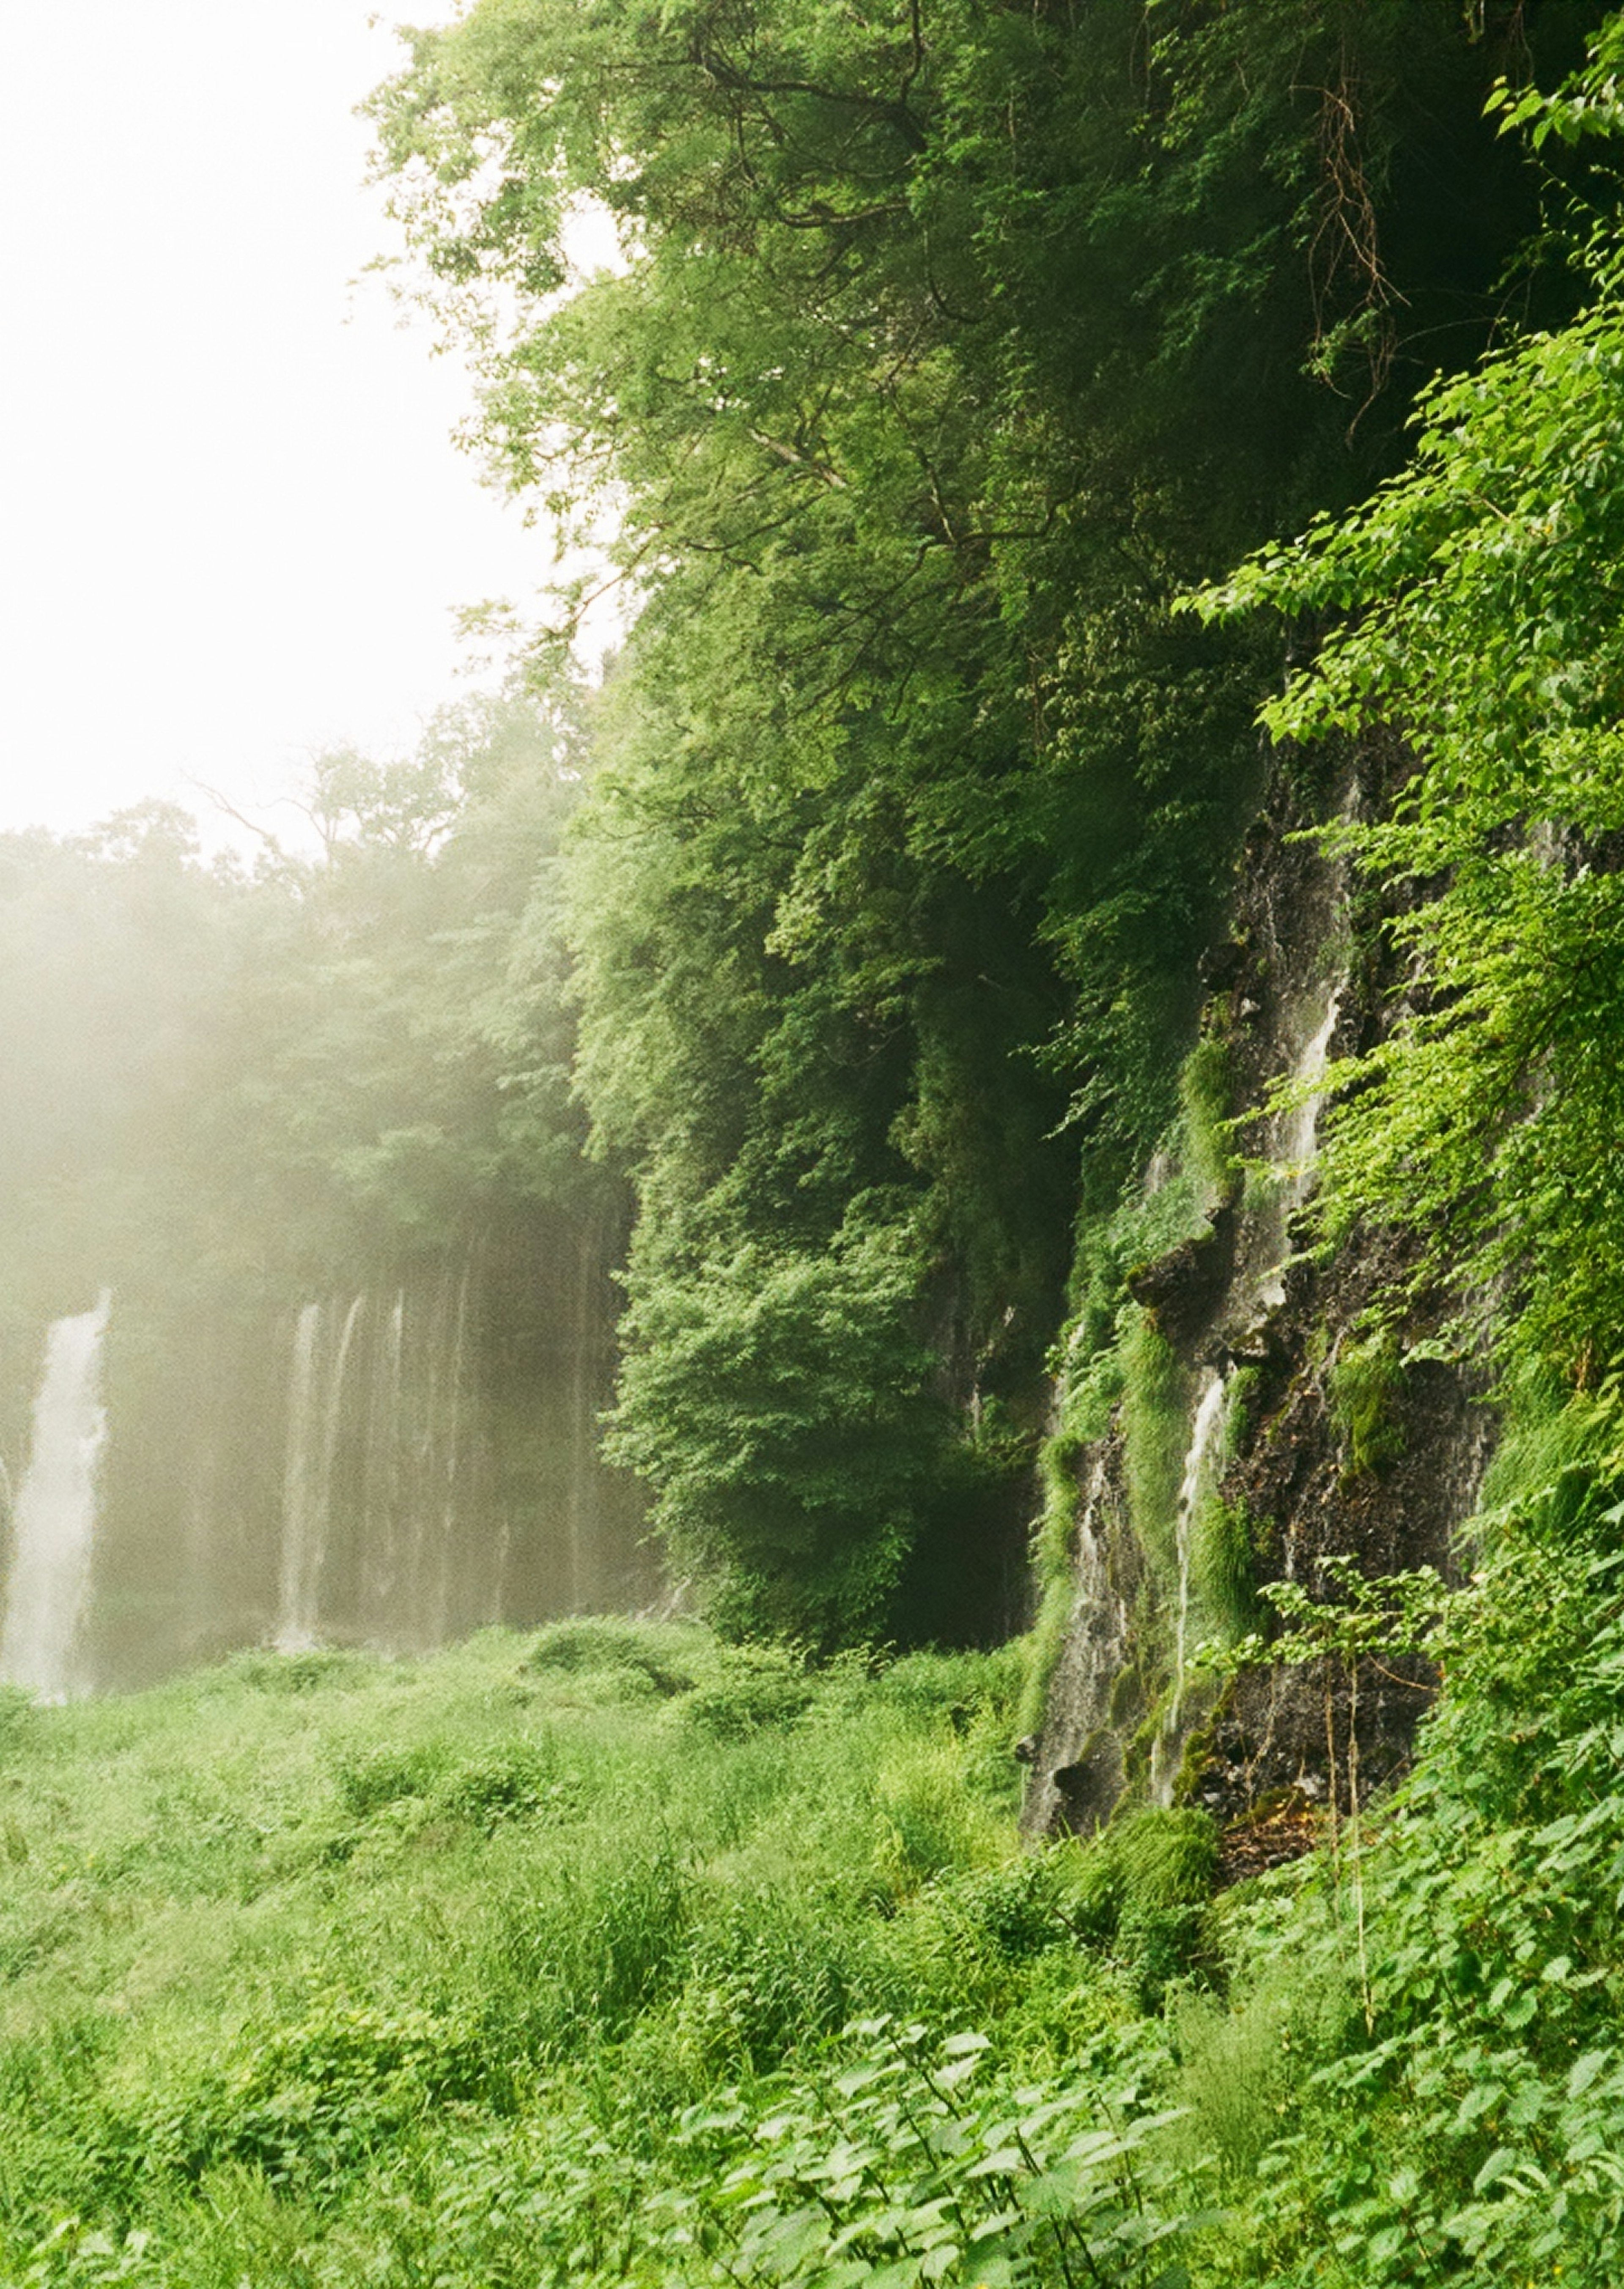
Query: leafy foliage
1471, 610
1469, 2123
947, 344
897, 2169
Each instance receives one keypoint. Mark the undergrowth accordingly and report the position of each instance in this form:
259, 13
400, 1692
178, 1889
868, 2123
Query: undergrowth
606, 1953
614, 1954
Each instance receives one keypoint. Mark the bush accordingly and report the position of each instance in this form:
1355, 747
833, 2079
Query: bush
509, 1782
373, 1778
578, 1649
779, 1401
755, 1686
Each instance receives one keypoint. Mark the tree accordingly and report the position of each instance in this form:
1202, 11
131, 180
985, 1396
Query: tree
952, 342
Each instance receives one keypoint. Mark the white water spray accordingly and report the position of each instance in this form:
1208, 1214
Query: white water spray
1205, 1438
55, 1519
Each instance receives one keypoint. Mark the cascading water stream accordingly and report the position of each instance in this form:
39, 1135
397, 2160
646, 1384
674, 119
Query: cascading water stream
1201, 1460
301, 1494
55, 1516
1205, 1438
375, 1473
1262, 1285
1294, 1150
439, 1617
384, 1491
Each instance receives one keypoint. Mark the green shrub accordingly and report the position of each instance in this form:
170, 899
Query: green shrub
779, 1400
305, 2107
906, 2161
754, 1686
600, 1938
16, 1708
769, 1976
374, 1777
1013, 1909
312, 1671
577, 1648
1164, 1860
508, 1781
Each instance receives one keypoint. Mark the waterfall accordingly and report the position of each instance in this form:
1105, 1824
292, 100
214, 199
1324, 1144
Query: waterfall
390, 1465
303, 1496
55, 1517
1205, 1438
438, 1620
384, 1486
1201, 1458
581, 1455
1294, 1151
374, 1492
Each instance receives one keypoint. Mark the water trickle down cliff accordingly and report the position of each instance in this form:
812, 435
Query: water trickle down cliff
1255, 1347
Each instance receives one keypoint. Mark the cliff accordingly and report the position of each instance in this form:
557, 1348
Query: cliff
1260, 1432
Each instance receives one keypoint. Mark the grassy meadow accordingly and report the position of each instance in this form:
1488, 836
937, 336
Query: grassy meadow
608, 1953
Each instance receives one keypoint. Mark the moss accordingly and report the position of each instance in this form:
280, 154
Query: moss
1206, 1094
1243, 1388
1114, 1359
1198, 1171
1129, 1694
1364, 1383
1061, 1463
1194, 1764
1041, 1649
1155, 1406
1223, 1590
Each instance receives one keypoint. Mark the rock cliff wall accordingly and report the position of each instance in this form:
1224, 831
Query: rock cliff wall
1259, 1431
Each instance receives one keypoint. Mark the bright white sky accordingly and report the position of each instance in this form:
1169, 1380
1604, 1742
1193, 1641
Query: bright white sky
232, 526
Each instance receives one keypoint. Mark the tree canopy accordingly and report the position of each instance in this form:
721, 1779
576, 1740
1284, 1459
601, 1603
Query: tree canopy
949, 344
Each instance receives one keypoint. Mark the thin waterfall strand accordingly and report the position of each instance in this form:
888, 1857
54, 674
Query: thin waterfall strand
1296, 1146
301, 1493
55, 1522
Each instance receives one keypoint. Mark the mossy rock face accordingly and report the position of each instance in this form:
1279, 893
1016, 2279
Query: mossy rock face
1366, 1386
1090, 1788
1183, 1289
1194, 1764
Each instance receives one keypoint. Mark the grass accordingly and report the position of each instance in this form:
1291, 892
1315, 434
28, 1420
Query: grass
327, 1968
612, 1954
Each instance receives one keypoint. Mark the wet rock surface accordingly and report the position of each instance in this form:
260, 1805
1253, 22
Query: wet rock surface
1292, 985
